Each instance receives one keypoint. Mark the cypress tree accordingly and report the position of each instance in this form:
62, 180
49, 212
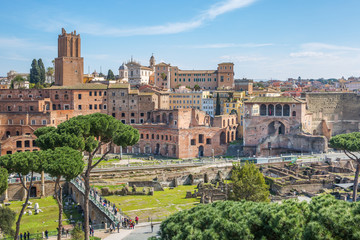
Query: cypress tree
34, 72
42, 71
110, 75
217, 110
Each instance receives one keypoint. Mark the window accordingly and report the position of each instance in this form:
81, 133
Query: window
21, 122
141, 136
104, 93
193, 142
123, 121
43, 122
141, 114
100, 106
10, 121
113, 94
79, 107
122, 114
90, 106
79, 96
208, 141
9, 108
152, 136
132, 121
20, 108
18, 144
100, 93
33, 122
157, 136
34, 144
141, 120
95, 93
66, 97
105, 106
95, 106
201, 138
31, 108
133, 114
113, 114
27, 143
66, 106
90, 93
147, 136
56, 96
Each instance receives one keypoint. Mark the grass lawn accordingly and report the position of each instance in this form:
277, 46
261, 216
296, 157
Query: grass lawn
157, 207
46, 220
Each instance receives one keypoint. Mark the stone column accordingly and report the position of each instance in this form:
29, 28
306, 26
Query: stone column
42, 185
6, 195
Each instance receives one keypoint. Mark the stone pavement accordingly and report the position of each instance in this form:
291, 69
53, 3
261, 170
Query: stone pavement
141, 231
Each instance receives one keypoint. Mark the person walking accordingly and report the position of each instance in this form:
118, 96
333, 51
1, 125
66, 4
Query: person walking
24, 235
152, 227
21, 236
137, 220
46, 234
118, 227
28, 235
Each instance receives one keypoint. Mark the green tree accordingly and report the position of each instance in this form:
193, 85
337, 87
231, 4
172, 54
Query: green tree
35, 75
88, 134
350, 144
42, 71
77, 233
249, 183
110, 75
7, 219
217, 108
16, 82
62, 162
23, 164
163, 76
3, 180
323, 218
197, 87
50, 73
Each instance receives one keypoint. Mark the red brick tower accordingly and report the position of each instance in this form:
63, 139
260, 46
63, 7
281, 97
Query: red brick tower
69, 65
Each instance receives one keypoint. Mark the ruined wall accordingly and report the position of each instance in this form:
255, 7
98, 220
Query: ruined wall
339, 110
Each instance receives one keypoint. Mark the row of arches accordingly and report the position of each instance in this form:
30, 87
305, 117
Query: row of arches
276, 110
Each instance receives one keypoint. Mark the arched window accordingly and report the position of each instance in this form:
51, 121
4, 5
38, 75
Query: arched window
164, 118
222, 138
271, 110
170, 117
263, 110
278, 110
286, 110
294, 113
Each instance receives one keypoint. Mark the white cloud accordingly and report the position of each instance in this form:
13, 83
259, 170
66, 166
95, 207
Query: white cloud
232, 45
324, 46
307, 54
240, 58
86, 26
18, 43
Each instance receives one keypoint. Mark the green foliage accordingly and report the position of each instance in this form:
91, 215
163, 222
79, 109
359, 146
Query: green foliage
3, 180
84, 133
7, 219
323, 218
110, 75
217, 109
63, 161
16, 82
249, 183
163, 76
42, 71
35, 75
197, 87
77, 233
22, 162
347, 141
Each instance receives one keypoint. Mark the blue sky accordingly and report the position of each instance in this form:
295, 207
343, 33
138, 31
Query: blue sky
266, 39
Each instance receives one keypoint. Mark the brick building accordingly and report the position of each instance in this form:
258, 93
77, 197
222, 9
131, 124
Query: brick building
168, 77
185, 133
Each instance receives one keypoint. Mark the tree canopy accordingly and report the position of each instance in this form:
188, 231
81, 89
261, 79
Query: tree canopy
350, 144
323, 218
249, 183
7, 219
35, 75
110, 75
42, 71
3, 180
16, 82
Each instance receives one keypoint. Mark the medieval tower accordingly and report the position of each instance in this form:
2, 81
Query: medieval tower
69, 65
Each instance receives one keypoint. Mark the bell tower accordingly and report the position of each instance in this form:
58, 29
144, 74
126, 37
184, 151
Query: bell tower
69, 65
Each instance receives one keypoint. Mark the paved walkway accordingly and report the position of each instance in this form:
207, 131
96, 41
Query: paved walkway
141, 231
